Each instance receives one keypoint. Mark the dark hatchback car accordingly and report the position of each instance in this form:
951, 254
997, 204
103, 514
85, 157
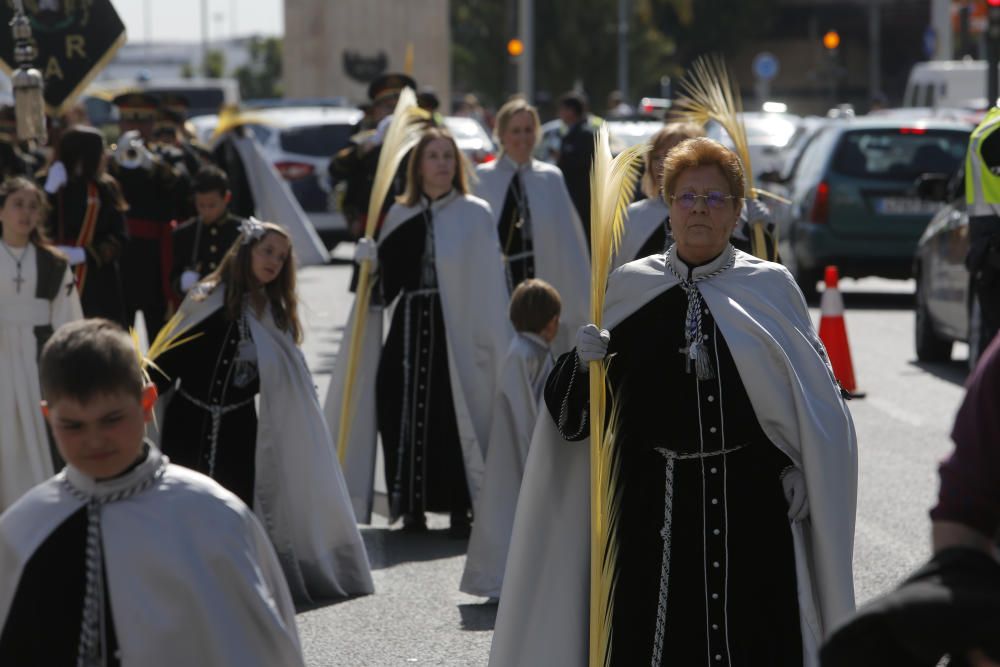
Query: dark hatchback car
947, 310
854, 199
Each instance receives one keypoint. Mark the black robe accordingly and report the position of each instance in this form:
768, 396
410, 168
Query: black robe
731, 593
514, 231
102, 294
205, 367
576, 155
424, 467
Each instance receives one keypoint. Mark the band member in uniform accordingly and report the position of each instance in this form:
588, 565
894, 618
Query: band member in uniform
199, 244
87, 220
356, 164
151, 187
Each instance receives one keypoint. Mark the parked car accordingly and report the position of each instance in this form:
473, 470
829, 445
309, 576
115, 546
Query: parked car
947, 310
853, 196
472, 139
299, 142
768, 134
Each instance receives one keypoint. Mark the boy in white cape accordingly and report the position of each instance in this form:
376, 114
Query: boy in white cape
123, 558
535, 307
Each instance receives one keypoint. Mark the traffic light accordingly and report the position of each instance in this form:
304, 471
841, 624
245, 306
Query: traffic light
515, 47
831, 40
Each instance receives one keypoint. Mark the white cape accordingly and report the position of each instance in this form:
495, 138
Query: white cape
274, 202
191, 575
561, 256
644, 218
515, 412
474, 298
543, 612
24, 442
299, 490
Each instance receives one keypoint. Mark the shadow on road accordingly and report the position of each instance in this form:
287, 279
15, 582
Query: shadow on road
955, 372
302, 607
478, 617
388, 547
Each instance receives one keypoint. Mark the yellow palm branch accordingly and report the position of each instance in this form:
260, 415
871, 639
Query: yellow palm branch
612, 185
403, 133
167, 338
710, 94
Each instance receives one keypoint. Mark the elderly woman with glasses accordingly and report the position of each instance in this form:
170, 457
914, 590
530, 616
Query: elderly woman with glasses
738, 465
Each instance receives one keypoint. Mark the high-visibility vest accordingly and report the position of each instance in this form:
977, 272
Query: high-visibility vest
982, 187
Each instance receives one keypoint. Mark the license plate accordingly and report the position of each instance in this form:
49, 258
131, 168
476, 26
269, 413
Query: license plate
906, 206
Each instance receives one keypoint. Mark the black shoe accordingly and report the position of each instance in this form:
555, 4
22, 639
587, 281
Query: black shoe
414, 523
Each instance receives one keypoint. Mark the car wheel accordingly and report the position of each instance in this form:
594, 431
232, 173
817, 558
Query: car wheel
931, 347
975, 331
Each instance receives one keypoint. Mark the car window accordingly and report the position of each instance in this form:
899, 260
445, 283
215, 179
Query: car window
899, 154
316, 140
814, 157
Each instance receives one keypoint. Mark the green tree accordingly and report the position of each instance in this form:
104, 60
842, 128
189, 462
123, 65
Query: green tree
261, 77
576, 42
214, 65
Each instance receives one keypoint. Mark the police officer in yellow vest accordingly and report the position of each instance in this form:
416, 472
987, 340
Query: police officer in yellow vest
982, 194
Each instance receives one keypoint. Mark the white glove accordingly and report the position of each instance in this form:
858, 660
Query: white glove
56, 178
366, 249
75, 254
188, 280
591, 344
794, 484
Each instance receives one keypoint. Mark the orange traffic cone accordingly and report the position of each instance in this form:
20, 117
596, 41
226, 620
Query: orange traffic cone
833, 333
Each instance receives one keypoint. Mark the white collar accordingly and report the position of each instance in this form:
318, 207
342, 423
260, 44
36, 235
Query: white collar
507, 162
683, 270
93, 488
439, 203
536, 339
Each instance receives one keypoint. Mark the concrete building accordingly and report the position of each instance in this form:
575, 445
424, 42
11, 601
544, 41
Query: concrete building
336, 48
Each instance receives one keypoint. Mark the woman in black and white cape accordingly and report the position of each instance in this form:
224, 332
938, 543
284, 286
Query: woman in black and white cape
538, 226
243, 409
438, 260
738, 460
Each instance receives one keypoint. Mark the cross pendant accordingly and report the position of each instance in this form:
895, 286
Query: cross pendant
18, 281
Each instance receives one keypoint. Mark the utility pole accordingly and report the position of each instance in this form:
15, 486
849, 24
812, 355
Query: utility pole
623, 6
992, 50
204, 36
526, 64
874, 49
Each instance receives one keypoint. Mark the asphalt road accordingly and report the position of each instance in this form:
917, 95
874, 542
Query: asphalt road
417, 615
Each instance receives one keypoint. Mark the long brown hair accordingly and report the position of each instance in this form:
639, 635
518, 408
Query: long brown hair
236, 273
414, 184
37, 236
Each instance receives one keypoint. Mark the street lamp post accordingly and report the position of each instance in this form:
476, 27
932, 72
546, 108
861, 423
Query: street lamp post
526, 65
28, 84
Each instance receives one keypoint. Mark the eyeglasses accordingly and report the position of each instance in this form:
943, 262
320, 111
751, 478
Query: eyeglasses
714, 200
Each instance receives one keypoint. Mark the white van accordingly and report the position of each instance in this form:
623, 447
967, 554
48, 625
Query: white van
956, 84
